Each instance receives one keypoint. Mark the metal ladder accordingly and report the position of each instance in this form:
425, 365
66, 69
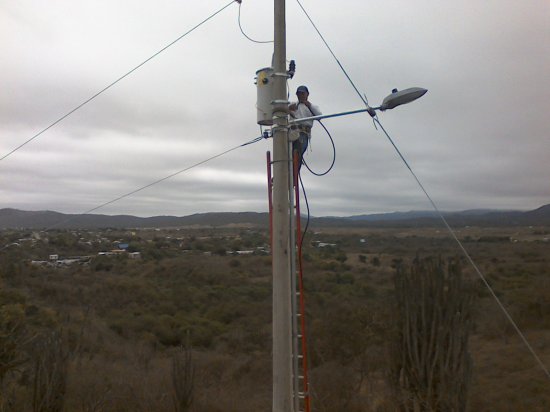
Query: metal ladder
302, 400
301, 395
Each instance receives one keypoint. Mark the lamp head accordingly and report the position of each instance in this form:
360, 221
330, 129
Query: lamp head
397, 98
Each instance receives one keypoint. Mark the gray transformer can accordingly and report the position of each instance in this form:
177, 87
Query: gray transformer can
264, 87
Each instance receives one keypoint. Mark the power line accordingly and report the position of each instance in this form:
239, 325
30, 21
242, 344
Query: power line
115, 82
244, 34
451, 231
307, 208
257, 139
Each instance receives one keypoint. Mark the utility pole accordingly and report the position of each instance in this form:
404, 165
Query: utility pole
281, 252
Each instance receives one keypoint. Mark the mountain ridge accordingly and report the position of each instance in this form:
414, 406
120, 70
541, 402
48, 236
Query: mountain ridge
19, 219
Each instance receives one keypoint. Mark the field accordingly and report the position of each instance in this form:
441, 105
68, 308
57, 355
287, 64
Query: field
118, 326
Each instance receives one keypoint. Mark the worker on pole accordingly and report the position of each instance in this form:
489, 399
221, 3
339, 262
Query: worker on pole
300, 133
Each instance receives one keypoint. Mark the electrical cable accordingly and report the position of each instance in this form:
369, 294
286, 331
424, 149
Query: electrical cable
333, 155
115, 82
307, 208
255, 140
245, 35
451, 231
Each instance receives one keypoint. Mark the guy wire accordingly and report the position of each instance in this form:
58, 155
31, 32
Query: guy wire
451, 231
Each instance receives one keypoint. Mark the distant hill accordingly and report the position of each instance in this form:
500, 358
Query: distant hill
411, 215
19, 219
473, 217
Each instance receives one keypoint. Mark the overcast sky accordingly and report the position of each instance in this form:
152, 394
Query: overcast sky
478, 139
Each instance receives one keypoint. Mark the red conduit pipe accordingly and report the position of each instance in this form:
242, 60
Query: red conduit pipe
307, 400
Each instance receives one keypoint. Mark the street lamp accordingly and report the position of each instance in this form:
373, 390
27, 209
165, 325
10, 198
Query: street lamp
396, 98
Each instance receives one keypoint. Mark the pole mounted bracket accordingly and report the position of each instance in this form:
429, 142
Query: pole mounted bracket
371, 111
286, 75
280, 106
275, 129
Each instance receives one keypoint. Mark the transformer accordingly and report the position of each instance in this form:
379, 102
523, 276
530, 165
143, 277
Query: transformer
264, 87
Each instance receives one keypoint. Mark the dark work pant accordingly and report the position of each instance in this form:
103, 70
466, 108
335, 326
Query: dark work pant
300, 146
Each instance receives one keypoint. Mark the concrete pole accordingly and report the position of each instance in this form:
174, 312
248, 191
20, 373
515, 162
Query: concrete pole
282, 330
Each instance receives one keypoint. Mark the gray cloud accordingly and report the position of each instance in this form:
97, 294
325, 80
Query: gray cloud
479, 138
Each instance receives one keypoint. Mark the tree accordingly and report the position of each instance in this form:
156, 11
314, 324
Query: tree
431, 366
